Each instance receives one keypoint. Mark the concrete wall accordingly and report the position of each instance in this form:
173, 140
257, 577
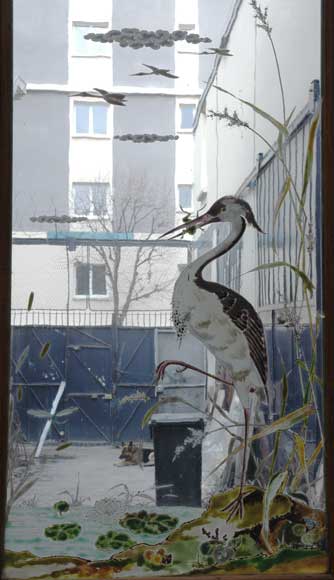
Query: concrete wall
231, 152
41, 41
40, 157
251, 74
213, 16
154, 164
148, 16
42, 269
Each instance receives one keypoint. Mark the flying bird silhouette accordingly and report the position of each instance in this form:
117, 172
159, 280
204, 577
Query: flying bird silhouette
163, 72
220, 51
111, 98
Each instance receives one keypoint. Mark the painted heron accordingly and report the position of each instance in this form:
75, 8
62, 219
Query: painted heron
223, 320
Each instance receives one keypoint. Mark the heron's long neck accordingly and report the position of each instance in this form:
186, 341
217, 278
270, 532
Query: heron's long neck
237, 230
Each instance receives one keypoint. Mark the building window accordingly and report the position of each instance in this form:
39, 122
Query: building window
84, 47
90, 118
185, 196
186, 27
90, 199
90, 280
187, 116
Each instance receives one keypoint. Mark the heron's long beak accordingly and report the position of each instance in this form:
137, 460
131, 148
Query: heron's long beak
198, 222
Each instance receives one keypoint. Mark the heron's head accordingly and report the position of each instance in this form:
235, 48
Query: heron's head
226, 209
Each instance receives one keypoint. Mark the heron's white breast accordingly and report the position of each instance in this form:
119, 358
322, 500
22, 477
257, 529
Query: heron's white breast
207, 321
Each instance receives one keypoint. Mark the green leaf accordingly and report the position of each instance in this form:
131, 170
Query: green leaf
164, 400
22, 358
285, 190
19, 393
30, 301
301, 364
285, 393
281, 424
280, 144
296, 480
39, 413
268, 497
286, 422
262, 113
300, 448
66, 412
155, 407
45, 349
281, 198
309, 154
308, 285
63, 446
287, 122
21, 490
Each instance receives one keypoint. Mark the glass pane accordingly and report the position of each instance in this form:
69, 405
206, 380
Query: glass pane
82, 279
119, 468
82, 194
82, 117
99, 196
99, 280
185, 196
187, 116
82, 47
100, 119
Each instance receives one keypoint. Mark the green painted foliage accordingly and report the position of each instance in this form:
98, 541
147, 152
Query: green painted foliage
62, 532
114, 541
149, 523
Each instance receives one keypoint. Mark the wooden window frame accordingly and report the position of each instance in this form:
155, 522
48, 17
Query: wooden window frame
6, 104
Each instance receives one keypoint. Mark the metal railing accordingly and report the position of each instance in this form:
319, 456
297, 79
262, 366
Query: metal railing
277, 286
62, 317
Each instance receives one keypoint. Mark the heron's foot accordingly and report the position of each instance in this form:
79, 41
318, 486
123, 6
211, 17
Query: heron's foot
161, 368
236, 507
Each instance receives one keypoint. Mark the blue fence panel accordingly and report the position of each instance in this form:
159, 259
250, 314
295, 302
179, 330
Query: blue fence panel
130, 412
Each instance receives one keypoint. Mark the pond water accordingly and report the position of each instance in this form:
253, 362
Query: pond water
27, 524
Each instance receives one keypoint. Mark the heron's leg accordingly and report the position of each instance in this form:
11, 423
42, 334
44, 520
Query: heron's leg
161, 368
236, 506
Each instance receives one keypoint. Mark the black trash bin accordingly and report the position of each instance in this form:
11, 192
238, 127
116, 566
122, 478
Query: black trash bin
178, 467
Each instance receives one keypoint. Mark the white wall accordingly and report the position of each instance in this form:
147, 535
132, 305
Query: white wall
89, 72
230, 153
42, 269
251, 74
186, 65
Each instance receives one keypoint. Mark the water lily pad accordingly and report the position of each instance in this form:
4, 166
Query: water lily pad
149, 523
114, 541
61, 506
62, 532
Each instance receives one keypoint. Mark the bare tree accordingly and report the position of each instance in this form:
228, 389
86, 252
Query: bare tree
134, 273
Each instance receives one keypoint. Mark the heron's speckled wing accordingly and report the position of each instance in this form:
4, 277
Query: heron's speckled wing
243, 315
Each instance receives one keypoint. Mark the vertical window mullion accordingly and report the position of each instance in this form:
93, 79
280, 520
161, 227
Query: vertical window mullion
90, 280
91, 208
90, 127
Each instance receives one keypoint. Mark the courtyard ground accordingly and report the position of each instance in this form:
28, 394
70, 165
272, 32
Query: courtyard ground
98, 468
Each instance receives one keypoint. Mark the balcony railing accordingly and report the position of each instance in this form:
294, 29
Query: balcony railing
50, 317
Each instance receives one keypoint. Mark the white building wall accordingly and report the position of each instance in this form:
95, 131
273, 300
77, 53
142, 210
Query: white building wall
231, 152
96, 69
251, 75
43, 269
186, 65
